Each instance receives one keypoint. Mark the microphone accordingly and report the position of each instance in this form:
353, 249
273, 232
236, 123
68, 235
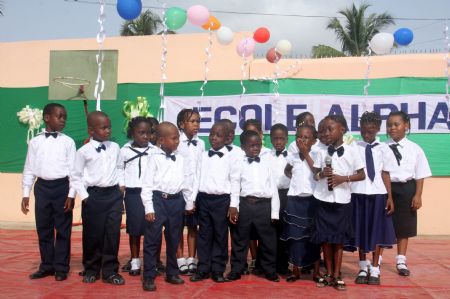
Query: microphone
328, 161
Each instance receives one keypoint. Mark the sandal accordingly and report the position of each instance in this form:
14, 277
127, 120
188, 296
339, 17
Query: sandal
292, 278
362, 279
184, 270
324, 281
339, 284
90, 277
403, 271
115, 279
373, 280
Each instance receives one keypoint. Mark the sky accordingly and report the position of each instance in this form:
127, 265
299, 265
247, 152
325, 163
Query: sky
70, 19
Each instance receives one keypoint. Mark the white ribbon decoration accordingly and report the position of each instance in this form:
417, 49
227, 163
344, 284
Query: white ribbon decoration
292, 70
208, 58
163, 67
99, 82
31, 117
367, 77
276, 87
447, 61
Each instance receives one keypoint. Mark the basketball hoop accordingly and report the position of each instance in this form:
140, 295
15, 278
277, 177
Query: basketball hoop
72, 82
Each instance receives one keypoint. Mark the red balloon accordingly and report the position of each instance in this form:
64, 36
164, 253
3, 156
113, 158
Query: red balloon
273, 56
261, 35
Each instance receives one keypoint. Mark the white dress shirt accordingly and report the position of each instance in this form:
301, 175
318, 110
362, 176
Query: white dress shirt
383, 160
191, 153
278, 165
168, 176
293, 148
131, 168
99, 169
48, 158
413, 165
302, 181
258, 179
345, 165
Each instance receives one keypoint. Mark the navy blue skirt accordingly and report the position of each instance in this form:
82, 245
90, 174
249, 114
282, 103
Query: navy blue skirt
135, 212
333, 223
372, 225
298, 226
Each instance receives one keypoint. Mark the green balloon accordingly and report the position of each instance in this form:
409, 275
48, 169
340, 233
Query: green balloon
175, 18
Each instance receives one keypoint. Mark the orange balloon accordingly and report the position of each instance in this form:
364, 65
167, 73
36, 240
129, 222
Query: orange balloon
212, 23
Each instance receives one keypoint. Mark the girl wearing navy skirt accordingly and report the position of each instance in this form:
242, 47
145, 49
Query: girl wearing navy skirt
301, 206
135, 155
372, 200
407, 178
334, 169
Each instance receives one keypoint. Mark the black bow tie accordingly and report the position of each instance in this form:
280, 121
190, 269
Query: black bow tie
212, 153
171, 156
283, 152
48, 134
191, 141
255, 159
394, 148
100, 147
229, 147
339, 150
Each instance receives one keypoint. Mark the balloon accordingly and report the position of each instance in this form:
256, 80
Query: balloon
198, 15
261, 35
175, 18
272, 55
403, 36
129, 9
246, 47
212, 24
382, 43
284, 47
224, 35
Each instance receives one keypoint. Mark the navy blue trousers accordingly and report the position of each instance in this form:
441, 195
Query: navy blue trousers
169, 212
212, 237
102, 217
54, 227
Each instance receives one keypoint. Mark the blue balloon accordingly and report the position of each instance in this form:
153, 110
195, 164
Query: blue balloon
129, 9
403, 36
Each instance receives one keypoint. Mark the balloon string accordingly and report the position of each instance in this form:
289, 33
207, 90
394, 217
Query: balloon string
292, 70
99, 82
447, 60
243, 76
367, 77
275, 89
206, 70
162, 106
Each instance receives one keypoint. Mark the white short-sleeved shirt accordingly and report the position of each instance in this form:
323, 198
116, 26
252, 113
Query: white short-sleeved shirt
345, 165
278, 165
383, 159
302, 181
413, 165
131, 164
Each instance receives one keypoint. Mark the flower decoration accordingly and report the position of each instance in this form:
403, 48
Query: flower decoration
31, 117
132, 109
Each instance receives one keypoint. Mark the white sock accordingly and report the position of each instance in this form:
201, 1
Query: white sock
374, 271
191, 260
380, 259
401, 262
181, 262
135, 263
363, 266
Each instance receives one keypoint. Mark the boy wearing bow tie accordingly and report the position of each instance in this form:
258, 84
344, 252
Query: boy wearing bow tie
50, 158
98, 179
258, 206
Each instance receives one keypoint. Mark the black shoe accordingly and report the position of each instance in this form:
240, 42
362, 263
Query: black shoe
218, 277
115, 279
82, 273
60, 276
127, 266
135, 272
272, 277
199, 276
41, 274
149, 284
160, 267
232, 276
174, 279
90, 277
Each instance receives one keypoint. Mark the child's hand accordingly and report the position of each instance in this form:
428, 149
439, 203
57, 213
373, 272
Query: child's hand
150, 217
303, 148
122, 190
390, 206
69, 204
327, 172
189, 212
336, 180
416, 203
233, 215
25, 204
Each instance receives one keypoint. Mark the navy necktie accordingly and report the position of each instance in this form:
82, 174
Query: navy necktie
48, 134
369, 161
171, 156
251, 160
398, 156
212, 153
100, 147
278, 153
192, 141
229, 147
339, 150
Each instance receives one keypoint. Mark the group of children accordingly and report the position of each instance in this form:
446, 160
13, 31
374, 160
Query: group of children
321, 195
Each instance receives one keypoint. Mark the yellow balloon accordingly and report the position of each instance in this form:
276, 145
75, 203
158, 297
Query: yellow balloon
212, 24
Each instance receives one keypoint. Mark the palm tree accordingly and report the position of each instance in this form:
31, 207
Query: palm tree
148, 23
1, 8
359, 29
321, 51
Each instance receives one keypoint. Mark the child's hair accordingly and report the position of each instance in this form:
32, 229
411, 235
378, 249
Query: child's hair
185, 115
253, 122
370, 118
280, 127
301, 118
405, 117
339, 119
313, 130
93, 115
153, 122
48, 109
134, 122
246, 135
230, 125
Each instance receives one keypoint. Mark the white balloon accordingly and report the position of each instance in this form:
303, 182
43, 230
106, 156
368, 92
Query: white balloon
382, 43
284, 47
224, 35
